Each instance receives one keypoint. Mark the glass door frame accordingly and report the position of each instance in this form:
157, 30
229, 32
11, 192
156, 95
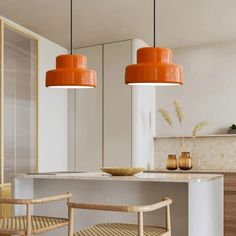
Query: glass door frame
12, 26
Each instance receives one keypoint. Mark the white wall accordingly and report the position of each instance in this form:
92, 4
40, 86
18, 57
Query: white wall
52, 113
209, 91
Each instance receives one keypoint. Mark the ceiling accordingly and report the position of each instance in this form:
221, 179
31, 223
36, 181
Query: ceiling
180, 23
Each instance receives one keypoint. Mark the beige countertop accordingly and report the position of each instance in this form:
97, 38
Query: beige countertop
145, 177
211, 171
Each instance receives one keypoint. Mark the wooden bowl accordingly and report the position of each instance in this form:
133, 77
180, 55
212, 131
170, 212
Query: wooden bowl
122, 171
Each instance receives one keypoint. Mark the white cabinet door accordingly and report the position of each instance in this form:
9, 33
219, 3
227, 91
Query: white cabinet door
117, 105
87, 132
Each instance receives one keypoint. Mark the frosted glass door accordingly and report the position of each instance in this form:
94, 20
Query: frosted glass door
20, 103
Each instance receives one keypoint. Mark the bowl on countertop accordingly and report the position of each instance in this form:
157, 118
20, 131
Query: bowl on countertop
122, 171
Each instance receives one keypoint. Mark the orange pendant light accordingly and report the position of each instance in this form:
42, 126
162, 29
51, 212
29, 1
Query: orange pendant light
154, 66
71, 71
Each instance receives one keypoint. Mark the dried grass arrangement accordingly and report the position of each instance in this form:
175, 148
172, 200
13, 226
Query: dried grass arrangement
180, 117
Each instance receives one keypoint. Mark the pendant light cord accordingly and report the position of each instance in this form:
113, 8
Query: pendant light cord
71, 26
154, 23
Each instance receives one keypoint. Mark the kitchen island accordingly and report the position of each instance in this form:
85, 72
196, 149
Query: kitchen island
197, 208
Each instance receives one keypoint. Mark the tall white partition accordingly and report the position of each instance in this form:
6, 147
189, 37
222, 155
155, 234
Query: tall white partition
85, 124
52, 113
117, 105
143, 118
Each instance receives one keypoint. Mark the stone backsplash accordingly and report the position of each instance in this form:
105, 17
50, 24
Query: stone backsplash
208, 152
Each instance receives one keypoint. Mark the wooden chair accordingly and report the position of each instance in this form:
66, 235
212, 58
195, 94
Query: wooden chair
30, 224
120, 229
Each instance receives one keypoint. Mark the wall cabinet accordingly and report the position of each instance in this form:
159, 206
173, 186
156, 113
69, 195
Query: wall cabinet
86, 118
117, 105
230, 204
113, 124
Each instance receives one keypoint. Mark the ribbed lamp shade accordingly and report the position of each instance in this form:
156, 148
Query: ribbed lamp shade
71, 72
154, 67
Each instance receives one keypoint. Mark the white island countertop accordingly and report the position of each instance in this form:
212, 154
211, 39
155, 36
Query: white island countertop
142, 177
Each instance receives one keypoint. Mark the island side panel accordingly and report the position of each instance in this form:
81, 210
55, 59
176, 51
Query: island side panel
206, 208
115, 192
22, 188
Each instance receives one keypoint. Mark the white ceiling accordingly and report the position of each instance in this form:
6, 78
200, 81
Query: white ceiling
180, 23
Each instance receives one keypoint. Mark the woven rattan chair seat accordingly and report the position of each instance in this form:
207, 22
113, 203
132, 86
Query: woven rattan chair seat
17, 225
116, 229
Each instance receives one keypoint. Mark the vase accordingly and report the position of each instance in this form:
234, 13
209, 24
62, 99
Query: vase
185, 161
232, 131
171, 162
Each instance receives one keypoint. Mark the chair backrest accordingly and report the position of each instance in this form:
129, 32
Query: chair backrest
29, 202
122, 208
166, 202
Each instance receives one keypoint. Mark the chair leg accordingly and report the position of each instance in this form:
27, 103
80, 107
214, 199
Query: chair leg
140, 224
28, 215
168, 220
71, 220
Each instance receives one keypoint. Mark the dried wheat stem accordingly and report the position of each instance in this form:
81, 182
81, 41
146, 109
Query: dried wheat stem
199, 127
179, 112
165, 115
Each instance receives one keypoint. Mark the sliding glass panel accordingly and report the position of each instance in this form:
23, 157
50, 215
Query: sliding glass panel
20, 103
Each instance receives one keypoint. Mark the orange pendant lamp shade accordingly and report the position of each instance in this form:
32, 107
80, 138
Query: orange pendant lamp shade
154, 67
71, 72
